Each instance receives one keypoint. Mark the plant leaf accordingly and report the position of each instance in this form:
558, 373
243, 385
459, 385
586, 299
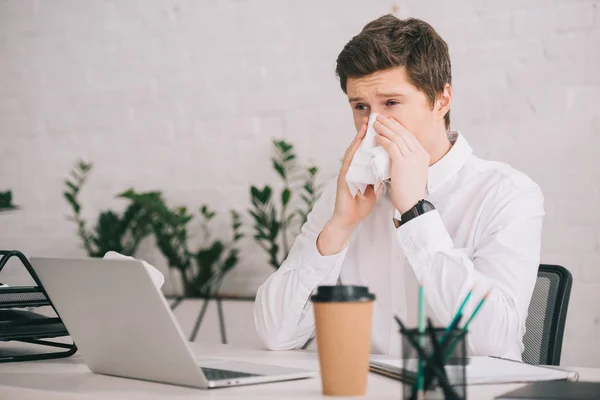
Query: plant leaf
279, 168
260, 196
285, 196
307, 200
229, 262
6, 201
260, 237
284, 146
210, 255
72, 186
254, 192
266, 194
84, 166
74, 204
258, 217
290, 218
107, 233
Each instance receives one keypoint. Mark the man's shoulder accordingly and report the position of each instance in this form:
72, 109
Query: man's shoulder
501, 176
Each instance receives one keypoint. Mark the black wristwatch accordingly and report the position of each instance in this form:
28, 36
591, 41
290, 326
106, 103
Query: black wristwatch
420, 208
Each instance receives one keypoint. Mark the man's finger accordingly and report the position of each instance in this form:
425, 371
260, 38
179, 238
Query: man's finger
355, 144
393, 137
360, 196
389, 146
399, 130
394, 124
369, 191
363, 129
410, 139
359, 135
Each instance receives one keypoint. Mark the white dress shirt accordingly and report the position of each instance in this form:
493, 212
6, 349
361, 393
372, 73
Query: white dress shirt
485, 234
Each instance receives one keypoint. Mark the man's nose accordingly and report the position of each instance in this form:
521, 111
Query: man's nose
379, 108
382, 111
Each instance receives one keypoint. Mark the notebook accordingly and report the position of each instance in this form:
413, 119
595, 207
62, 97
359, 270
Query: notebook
480, 370
555, 390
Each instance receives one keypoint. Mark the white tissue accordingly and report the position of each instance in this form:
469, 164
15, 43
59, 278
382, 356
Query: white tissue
370, 165
157, 277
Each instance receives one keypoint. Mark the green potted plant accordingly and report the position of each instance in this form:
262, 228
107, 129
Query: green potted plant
278, 219
202, 270
120, 232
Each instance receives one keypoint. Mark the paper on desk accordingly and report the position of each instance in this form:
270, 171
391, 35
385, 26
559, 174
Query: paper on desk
157, 277
481, 370
371, 163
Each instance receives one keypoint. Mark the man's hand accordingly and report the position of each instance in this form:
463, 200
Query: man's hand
349, 211
409, 163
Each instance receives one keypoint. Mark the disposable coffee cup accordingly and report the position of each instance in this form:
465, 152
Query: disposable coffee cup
343, 318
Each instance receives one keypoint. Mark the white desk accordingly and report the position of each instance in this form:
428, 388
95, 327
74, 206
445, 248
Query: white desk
71, 379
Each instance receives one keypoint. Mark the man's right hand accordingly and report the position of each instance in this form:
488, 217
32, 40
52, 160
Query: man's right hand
349, 211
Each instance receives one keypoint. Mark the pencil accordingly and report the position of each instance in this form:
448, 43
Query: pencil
442, 345
437, 358
435, 369
465, 328
459, 312
475, 311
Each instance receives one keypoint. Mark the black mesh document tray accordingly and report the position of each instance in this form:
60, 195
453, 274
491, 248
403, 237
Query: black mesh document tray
18, 321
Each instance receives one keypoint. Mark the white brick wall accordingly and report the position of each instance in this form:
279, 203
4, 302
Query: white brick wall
166, 93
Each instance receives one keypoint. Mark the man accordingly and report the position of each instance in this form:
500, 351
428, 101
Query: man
464, 223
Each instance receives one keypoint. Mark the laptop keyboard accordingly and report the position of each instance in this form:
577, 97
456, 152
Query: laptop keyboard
213, 374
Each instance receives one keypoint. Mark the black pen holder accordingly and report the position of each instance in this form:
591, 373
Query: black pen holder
443, 368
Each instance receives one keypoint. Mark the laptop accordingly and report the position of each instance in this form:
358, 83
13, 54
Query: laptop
123, 326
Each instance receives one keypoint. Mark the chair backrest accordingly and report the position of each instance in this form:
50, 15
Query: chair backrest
547, 314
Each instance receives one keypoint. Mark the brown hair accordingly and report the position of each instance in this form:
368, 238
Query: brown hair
389, 42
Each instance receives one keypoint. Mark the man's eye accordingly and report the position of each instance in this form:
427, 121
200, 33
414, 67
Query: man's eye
361, 107
392, 103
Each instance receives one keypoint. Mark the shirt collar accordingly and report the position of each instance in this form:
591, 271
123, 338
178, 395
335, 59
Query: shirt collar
440, 172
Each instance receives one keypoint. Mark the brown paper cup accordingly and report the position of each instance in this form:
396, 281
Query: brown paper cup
344, 344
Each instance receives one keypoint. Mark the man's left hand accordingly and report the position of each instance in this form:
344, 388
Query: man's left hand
409, 163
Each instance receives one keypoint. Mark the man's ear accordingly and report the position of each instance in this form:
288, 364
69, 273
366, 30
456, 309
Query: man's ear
443, 102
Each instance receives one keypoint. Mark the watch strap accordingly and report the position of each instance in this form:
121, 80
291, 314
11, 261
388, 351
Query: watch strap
415, 211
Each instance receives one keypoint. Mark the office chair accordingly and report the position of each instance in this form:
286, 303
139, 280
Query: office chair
547, 314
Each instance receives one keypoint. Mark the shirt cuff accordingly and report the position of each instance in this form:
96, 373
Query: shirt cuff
421, 237
319, 270
320, 267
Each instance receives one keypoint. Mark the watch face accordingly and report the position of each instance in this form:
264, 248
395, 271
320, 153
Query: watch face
427, 206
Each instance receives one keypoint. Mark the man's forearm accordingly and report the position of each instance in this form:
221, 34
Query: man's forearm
333, 238
282, 313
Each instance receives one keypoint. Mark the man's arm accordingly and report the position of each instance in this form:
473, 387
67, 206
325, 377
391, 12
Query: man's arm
282, 311
505, 262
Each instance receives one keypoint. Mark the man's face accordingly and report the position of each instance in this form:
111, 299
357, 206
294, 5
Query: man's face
390, 93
